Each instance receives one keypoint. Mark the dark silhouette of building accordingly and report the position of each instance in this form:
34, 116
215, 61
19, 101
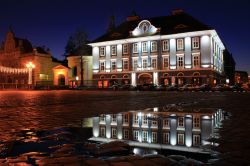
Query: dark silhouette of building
241, 77
229, 66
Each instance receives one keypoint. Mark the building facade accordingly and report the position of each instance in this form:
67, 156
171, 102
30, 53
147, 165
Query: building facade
159, 128
16, 54
175, 49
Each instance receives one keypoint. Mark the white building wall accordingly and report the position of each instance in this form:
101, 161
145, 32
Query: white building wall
172, 54
205, 51
187, 56
95, 53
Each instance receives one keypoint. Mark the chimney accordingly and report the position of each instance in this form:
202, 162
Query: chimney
133, 17
177, 11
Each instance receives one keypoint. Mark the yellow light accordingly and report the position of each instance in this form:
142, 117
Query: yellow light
30, 65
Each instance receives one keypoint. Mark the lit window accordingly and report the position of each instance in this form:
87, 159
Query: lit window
136, 119
196, 140
125, 134
125, 64
125, 49
180, 61
180, 139
165, 45
102, 66
144, 47
196, 61
153, 46
113, 132
113, 65
102, 131
145, 120
166, 138
102, 51
165, 62
136, 135
144, 136
113, 50
154, 137
144, 63
102, 118
135, 48
195, 42
196, 122
181, 122
154, 121
126, 118
154, 63
113, 118
180, 44
165, 123
135, 64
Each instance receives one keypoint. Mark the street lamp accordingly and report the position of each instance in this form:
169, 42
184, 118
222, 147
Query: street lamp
30, 66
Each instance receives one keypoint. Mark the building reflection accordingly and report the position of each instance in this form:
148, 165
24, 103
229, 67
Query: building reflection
159, 128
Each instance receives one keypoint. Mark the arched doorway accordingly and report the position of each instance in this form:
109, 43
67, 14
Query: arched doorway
166, 79
61, 80
113, 80
180, 79
145, 78
196, 79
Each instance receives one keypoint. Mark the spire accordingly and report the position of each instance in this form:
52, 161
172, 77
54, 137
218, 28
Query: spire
111, 25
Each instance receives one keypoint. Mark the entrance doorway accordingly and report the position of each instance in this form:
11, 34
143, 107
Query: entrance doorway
61, 80
145, 79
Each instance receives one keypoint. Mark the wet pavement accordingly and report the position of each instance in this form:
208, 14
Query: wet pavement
31, 116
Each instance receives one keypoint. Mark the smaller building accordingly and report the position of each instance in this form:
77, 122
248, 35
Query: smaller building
61, 75
241, 77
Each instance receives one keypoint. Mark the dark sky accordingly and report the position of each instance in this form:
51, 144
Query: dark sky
50, 22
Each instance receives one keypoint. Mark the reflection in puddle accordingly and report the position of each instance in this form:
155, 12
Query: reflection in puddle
169, 128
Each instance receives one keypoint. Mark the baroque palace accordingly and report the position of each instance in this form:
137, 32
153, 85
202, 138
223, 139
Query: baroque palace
170, 50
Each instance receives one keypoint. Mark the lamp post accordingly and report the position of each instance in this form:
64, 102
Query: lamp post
30, 66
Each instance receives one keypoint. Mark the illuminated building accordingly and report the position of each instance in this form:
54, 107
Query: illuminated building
175, 49
16, 53
175, 129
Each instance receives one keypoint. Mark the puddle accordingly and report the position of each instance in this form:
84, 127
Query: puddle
172, 134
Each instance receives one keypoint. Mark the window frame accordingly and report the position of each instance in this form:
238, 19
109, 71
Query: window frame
113, 48
123, 66
123, 48
163, 65
165, 45
155, 49
178, 61
198, 60
113, 69
104, 65
152, 59
102, 50
195, 40
135, 50
144, 50
177, 44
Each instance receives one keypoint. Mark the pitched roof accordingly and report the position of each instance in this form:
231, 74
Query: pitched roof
173, 24
24, 45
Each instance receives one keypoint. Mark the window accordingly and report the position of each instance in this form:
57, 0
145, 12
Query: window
125, 64
196, 122
180, 44
165, 138
144, 136
125, 134
113, 65
154, 121
196, 61
102, 51
136, 135
135, 48
145, 120
113, 132
136, 119
165, 45
125, 49
180, 61
102, 131
195, 42
181, 122
180, 139
46, 77
102, 66
113, 50
153, 46
102, 118
154, 63
144, 47
154, 137
126, 118
165, 123
196, 140
144, 63
165, 62
113, 118
135, 64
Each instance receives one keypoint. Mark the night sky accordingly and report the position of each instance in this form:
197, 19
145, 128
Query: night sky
50, 22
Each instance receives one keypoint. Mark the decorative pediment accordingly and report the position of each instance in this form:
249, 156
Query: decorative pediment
144, 28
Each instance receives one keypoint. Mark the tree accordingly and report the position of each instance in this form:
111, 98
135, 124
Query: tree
77, 45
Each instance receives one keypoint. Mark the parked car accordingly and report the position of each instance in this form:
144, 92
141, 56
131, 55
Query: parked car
146, 87
127, 87
237, 88
221, 88
172, 88
161, 87
186, 87
203, 87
